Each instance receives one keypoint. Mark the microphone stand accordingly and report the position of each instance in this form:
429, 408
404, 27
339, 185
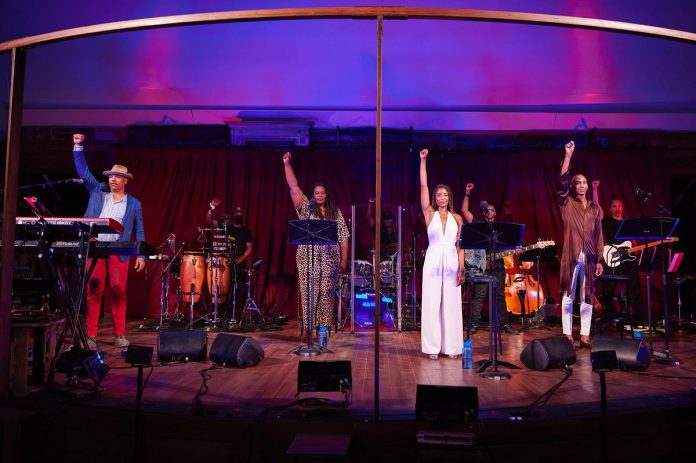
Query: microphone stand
666, 358
660, 357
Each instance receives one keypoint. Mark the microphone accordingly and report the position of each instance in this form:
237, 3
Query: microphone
312, 203
484, 208
171, 241
642, 193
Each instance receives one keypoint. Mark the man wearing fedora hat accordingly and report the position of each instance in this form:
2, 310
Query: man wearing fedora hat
110, 200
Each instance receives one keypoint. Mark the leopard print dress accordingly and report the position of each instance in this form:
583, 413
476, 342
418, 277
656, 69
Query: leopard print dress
324, 279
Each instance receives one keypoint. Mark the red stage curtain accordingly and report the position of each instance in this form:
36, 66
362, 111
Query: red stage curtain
175, 186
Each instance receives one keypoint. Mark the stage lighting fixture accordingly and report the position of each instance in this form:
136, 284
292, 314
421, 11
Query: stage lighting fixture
332, 376
139, 355
82, 363
446, 415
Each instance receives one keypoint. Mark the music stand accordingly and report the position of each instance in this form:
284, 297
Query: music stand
312, 233
492, 236
652, 228
545, 254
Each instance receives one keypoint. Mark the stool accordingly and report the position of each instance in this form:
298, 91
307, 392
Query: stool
470, 281
44, 333
622, 282
319, 447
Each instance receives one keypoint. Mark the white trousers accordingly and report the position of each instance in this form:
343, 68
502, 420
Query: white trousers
567, 302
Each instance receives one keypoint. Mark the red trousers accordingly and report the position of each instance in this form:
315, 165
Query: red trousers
118, 277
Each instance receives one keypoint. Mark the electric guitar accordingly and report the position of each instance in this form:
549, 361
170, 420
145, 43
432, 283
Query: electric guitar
538, 245
615, 254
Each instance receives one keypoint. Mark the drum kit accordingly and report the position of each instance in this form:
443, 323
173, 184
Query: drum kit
363, 276
210, 277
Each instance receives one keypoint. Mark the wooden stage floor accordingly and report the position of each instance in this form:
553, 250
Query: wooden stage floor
272, 383
243, 415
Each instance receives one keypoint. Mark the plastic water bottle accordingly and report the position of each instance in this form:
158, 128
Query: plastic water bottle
323, 337
467, 355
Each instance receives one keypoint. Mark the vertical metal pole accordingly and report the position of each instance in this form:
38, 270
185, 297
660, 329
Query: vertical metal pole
352, 268
14, 135
378, 209
397, 272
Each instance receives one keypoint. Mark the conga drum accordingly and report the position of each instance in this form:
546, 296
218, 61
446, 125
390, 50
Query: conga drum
218, 268
192, 275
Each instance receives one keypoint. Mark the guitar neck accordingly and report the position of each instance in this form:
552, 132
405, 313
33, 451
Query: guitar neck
650, 245
500, 255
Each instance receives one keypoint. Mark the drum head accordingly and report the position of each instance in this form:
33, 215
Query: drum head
364, 304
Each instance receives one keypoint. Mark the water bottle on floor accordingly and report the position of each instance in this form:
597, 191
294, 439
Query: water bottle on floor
467, 355
323, 337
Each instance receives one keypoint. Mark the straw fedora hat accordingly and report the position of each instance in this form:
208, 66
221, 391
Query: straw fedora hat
121, 171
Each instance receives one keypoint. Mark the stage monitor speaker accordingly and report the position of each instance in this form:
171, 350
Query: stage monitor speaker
232, 350
445, 406
548, 353
331, 376
631, 354
182, 346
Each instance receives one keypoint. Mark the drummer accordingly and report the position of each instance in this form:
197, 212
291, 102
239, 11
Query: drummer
240, 243
388, 233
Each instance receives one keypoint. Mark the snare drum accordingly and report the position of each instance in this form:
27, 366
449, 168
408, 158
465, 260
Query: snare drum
192, 276
364, 304
217, 268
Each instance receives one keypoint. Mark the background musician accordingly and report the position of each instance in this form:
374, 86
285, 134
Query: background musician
610, 225
240, 242
109, 201
476, 261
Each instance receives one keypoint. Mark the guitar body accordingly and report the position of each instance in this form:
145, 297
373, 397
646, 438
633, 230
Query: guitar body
614, 254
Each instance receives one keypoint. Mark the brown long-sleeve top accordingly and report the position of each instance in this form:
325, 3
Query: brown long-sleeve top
582, 230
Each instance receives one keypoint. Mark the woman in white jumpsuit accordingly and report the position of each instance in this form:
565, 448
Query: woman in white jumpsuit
443, 271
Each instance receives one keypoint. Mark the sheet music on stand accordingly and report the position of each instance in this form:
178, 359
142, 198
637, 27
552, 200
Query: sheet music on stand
316, 232
644, 229
477, 235
492, 236
312, 233
650, 228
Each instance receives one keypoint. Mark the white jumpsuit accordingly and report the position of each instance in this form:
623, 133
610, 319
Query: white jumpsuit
441, 323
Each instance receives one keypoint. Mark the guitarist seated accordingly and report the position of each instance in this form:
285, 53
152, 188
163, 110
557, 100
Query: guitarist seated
610, 225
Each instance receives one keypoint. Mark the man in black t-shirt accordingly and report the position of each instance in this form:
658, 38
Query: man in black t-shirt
610, 225
241, 245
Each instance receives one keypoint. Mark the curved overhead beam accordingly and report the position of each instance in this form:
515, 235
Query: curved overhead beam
367, 12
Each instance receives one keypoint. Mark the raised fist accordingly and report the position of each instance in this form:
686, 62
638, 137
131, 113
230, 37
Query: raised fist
595, 184
469, 187
78, 138
287, 157
424, 153
569, 148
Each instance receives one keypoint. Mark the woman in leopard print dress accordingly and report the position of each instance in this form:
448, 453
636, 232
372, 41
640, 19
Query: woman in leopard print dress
328, 260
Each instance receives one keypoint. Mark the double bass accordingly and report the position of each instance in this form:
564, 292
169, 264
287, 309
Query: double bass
521, 287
